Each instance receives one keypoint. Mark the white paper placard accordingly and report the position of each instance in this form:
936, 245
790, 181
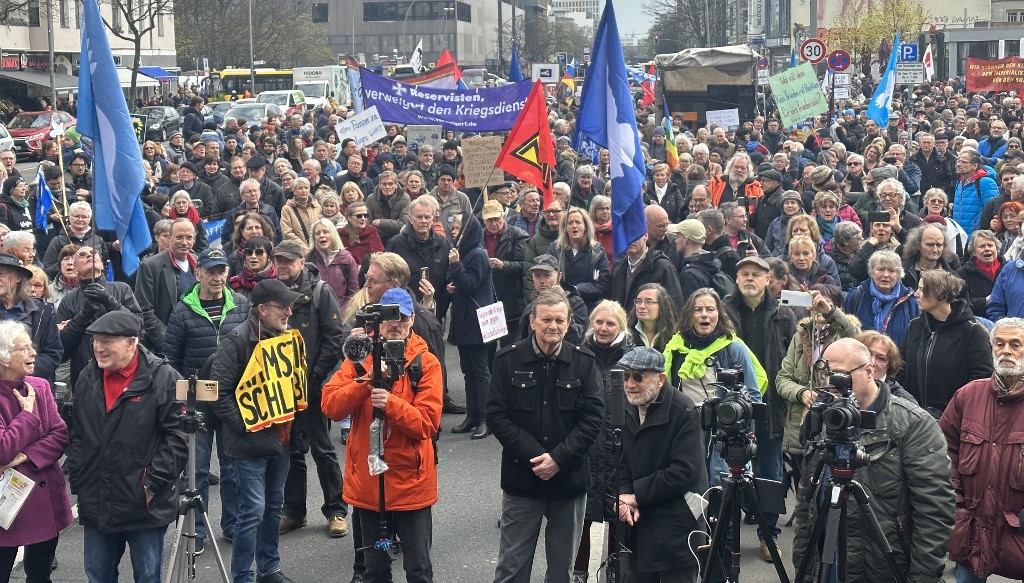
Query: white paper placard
492, 321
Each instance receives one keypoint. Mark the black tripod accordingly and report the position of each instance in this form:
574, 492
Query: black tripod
617, 417
183, 550
737, 451
832, 513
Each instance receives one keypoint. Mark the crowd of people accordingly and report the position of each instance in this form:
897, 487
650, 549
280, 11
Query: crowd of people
891, 254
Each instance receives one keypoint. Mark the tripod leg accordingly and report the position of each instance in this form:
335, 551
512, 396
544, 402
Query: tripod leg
864, 501
843, 572
718, 536
819, 527
735, 520
773, 548
216, 549
172, 565
828, 547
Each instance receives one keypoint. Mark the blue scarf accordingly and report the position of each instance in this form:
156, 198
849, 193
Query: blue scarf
826, 227
881, 303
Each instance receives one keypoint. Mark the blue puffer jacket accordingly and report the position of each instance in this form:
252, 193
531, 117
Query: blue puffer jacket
991, 150
858, 303
970, 199
191, 336
474, 289
1007, 299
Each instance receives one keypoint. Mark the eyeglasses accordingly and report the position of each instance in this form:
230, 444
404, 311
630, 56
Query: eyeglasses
852, 370
553, 212
854, 163
77, 164
645, 302
84, 254
278, 306
81, 217
373, 282
361, 216
888, 195
256, 252
24, 349
638, 377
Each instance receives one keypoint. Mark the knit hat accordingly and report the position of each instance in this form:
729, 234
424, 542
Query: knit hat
73, 135
791, 195
447, 170
9, 183
883, 173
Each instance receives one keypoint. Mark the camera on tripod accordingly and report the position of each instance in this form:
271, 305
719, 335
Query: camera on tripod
733, 412
389, 355
371, 315
841, 419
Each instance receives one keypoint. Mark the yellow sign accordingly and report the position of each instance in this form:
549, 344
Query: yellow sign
273, 386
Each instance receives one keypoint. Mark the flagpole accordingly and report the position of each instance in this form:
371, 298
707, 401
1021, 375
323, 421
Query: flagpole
60, 164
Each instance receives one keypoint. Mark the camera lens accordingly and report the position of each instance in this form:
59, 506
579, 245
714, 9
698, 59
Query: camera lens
840, 416
729, 413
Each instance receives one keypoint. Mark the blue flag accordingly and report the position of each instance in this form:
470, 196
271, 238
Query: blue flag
44, 202
881, 101
607, 117
792, 58
515, 70
570, 69
118, 174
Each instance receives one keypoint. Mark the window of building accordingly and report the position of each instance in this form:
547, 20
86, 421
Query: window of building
33, 13
65, 18
115, 16
320, 13
1015, 16
464, 12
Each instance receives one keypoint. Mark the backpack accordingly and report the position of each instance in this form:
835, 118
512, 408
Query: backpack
720, 281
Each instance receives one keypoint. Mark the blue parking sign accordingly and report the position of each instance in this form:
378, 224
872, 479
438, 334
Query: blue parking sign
908, 52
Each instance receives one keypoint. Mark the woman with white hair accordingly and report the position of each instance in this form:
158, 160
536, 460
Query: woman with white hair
33, 437
882, 302
981, 268
299, 214
182, 207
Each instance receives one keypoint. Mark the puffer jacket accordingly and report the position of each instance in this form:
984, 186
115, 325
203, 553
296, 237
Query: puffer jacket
113, 456
601, 492
970, 198
942, 356
983, 432
191, 336
393, 212
1007, 297
912, 497
474, 289
297, 221
795, 373
413, 418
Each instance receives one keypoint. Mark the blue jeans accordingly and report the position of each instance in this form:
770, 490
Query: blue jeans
103, 553
228, 483
769, 467
520, 528
260, 502
964, 574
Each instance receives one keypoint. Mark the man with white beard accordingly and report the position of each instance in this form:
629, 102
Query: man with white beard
658, 463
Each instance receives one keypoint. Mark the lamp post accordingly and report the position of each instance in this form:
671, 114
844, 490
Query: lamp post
49, 43
405, 23
252, 55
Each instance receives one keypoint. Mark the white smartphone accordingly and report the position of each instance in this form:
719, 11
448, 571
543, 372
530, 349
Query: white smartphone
796, 299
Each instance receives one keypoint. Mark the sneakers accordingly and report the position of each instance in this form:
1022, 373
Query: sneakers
579, 576
337, 527
767, 556
200, 546
275, 577
289, 524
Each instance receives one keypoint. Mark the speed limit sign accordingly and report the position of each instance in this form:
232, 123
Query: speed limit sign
813, 50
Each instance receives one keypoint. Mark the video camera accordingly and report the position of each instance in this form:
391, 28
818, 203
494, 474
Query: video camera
730, 416
839, 415
388, 355
371, 315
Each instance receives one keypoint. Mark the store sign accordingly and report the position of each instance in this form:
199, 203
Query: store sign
11, 61
37, 63
24, 62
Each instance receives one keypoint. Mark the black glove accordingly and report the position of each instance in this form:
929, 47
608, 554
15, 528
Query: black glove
98, 295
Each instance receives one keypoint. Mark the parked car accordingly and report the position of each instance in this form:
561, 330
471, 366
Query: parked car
6, 141
253, 112
31, 128
161, 121
291, 101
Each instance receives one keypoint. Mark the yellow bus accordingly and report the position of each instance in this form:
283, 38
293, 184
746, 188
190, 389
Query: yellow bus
237, 79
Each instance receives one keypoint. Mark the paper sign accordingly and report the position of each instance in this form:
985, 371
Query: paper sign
273, 386
841, 93
798, 94
728, 119
416, 136
364, 127
492, 321
478, 157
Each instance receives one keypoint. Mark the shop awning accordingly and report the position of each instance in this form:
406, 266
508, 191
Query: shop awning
42, 78
156, 72
125, 77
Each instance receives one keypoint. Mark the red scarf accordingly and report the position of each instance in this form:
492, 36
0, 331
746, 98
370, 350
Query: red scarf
192, 214
248, 280
990, 271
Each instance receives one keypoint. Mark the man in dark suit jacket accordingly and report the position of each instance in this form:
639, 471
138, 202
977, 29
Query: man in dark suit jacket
163, 277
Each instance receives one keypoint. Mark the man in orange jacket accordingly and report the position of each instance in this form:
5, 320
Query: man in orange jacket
412, 417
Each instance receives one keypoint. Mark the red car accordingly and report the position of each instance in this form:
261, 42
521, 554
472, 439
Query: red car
31, 128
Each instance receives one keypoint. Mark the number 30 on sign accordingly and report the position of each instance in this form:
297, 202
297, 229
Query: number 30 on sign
813, 50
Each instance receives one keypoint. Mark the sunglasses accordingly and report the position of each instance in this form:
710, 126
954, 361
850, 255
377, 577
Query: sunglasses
638, 377
361, 216
256, 252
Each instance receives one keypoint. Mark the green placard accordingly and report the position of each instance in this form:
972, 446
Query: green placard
798, 94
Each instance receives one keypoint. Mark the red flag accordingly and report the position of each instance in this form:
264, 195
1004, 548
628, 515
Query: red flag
446, 58
529, 153
648, 87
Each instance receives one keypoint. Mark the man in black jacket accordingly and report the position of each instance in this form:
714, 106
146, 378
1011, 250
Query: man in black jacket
766, 327
545, 275
126, 450
544, 465
506, 249
937, 170
717, 242
422, 248
164, 277
192, 123
638, 266
696, 266
259, 457
317, 315
660, 473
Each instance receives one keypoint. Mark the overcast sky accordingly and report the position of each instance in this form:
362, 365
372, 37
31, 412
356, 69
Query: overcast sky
631, 17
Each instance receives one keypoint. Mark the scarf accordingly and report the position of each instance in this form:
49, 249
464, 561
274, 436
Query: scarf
827, 227
988, 271
23, 203
1001, 389
248, 280
697, 350
881, 303
191, 214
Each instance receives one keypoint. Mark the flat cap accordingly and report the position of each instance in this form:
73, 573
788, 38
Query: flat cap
641, 358
545, 263
116, 323
272, 290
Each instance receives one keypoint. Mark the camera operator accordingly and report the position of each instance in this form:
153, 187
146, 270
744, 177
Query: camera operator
412, 417
982, 424
658, 463
907, 476
546, 409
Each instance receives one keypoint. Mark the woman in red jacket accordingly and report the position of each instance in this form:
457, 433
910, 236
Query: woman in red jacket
359, 236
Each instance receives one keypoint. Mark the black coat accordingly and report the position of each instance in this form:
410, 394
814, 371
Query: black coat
941, 357
156, 290
79, 311
661, 461
41, 319
979, 286
198, 191
432, 254
17, 218
543, 405
578, 317
112, 456
508, 281
191, 336
588, 270
674, 201
655, 267
90, 239
938, 171
322, 328
474, 289
696, 272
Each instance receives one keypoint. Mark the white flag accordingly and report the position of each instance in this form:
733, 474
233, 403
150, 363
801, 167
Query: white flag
929, 64
416, 59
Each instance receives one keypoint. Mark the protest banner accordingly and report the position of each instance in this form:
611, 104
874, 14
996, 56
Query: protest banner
273, 385
139, 122
728, 119
492, 321
476, 110
999, 75
798, 94
478, 157
416, 136
364, 127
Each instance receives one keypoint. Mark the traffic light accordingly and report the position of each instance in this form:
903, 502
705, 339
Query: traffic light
657, 38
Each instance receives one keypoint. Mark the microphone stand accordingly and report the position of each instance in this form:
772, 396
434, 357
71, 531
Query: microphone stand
384, 543
617, 417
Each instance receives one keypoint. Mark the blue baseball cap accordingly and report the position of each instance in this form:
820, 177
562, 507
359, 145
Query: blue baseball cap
397, 295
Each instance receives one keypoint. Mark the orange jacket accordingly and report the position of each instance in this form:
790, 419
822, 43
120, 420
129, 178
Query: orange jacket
411, 420
717, 186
